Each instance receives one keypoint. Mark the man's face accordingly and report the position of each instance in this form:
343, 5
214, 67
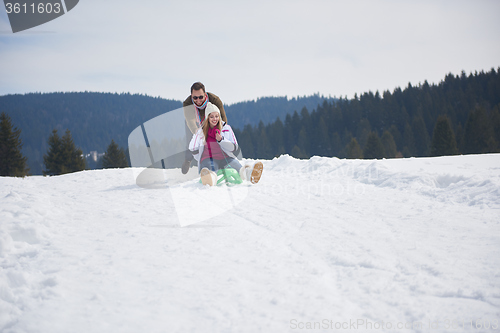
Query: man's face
196, 94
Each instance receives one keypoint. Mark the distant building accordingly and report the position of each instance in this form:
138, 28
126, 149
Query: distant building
93, 155
93, 159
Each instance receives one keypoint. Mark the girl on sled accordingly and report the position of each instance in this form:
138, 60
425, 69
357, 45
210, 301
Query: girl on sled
213, 146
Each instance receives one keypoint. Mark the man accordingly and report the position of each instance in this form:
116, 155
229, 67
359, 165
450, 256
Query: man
194, 113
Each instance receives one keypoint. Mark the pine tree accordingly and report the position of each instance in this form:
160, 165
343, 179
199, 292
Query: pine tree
298, 153
245, 141
479, 137
74, 155
277, 137
263, 146
396, 135
305, 119
336, 145
389, 144
421, 136
114, 157
374, 147
322, 146
63, 156
12, 162
289, 135
303, 142
443, 139
296, 124
354, 150
409, 142
363, 131
459, 137
495, 122
53, 159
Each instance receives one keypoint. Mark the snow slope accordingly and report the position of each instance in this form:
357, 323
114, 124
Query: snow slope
318, 245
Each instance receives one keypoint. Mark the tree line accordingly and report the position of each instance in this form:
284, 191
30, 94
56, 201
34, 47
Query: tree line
62, 157
461, 114
95, 119
267, 109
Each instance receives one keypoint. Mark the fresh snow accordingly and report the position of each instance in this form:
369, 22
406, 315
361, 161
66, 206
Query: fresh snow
399, 245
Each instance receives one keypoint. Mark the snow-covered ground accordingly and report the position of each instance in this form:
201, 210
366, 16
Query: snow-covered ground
323, 244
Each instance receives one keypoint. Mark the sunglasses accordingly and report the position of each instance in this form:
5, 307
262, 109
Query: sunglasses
198, 97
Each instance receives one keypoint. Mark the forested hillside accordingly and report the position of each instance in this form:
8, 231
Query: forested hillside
267, 109
372, 125
94, 119
400, 123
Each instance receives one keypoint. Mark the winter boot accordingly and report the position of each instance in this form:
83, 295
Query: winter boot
244, 172
256, 172
250, 173
208, 177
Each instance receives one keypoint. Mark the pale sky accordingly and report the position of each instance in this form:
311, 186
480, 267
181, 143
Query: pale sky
242, 50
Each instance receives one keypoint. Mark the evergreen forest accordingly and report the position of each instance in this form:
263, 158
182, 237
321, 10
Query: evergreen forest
459, 115
95, 119
387, 125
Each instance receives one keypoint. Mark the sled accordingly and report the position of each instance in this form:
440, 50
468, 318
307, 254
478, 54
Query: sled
228, 176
